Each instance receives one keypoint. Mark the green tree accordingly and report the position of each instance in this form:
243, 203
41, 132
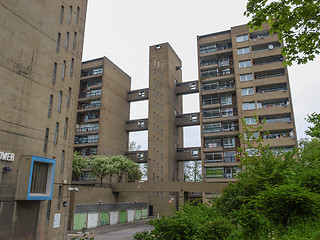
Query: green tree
314, 131
297, 23
78, 164
102, 167
125, 165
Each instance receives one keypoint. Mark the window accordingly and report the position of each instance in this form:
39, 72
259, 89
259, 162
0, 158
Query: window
71, 67
212, 142
69, 97
62, 161
226, 112
142, 93
247, 91
213, 157
70, 14
212, 127
193, 117
78, 14
58, 42
67, 41
210, 100
230, 156
228, 142
211, 113
243, 50
226, 100
242, 38
215, 172
50, 106
55, 141
74, 41
141, 123
63, 69
248, 106
65, 132
46, 140
228, 126
41, 180
223, 62
54, 73
252, 137
246, 77
48, 209
250, 120
61, 14
192, 86
60, 100
194, 152
59, 197
244, 64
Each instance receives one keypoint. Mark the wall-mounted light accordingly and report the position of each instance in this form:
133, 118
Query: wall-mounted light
6, 169
158, 47
65, 203
178, 67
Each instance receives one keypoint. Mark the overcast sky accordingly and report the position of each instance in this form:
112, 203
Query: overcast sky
123, 30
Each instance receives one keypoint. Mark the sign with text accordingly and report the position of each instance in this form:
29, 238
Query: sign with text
9, 157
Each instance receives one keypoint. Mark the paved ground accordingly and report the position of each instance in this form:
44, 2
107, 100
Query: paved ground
123, 231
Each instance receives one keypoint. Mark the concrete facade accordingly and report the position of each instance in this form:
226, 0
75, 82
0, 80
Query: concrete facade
40, 64
103, 109
241, 76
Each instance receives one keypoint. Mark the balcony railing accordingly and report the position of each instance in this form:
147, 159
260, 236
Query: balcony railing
211, 87
89, 94
92, 72
209, 115
208, 159
90, 117
207, 75
257, 63
85, 140
270, 75
224, 128
208, 49
88, 106
87, 129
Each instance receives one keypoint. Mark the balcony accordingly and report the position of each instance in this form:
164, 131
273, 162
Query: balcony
138, 156
267, 60
217, 113
227, 157
88, 107
87, 151
218, 87
217, 73
92, 72
187, 87
190, 119
85, 129
84, 141
214, 49
89, 96
216, 130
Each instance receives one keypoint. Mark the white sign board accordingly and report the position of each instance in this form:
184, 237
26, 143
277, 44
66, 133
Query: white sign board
56, 220
114, 217
130, 215
92, 220
7, 156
